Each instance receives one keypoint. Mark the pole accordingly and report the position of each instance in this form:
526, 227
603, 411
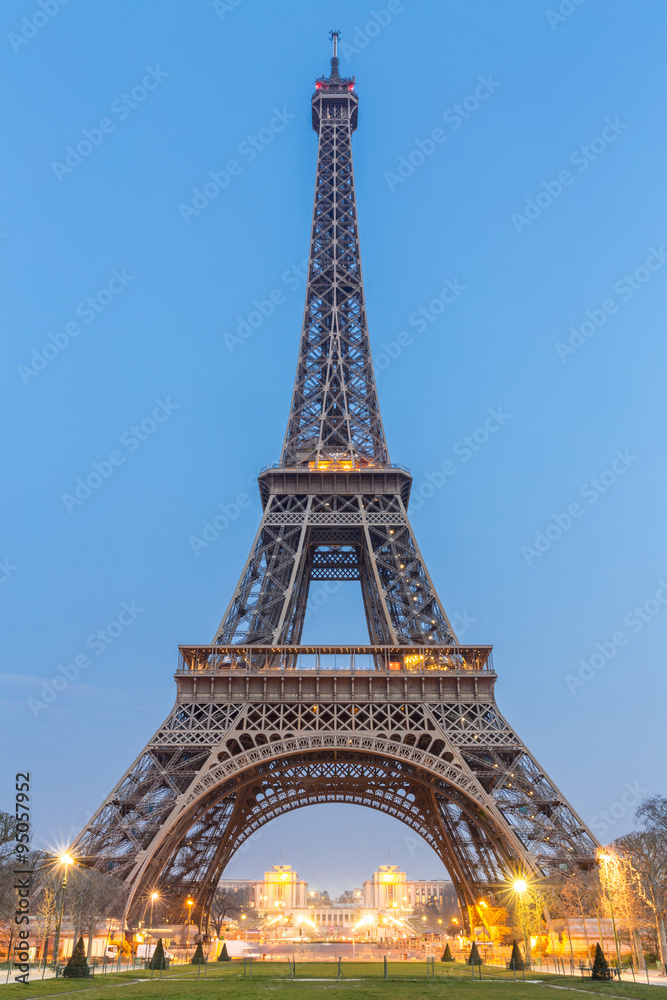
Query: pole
525, 938
56, 943
613, 924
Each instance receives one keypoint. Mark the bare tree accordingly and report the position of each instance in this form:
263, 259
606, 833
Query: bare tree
7, 893
644, 854
227, 904
46, 912
652, 814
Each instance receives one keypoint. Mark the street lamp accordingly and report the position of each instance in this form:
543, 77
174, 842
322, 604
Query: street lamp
520, 886
483, 905
190, 904
65, 860
607, 858
154, 897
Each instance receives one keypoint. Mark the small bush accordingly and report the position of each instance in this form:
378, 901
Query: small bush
158, 961
474, 957
600, 965
516, 958
77, 967
198, 957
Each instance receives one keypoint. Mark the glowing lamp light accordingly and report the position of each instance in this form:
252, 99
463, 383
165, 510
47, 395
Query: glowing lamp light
65, 859
284, 876
155, 895
520, 885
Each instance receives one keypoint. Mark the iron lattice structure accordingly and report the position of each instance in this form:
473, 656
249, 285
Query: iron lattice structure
262, 724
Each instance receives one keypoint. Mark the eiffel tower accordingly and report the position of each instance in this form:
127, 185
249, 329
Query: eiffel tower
263, 724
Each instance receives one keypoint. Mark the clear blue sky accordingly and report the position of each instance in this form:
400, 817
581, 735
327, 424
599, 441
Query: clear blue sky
167, 285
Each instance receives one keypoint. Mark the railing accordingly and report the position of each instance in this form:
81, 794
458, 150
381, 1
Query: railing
262, 659
335, 467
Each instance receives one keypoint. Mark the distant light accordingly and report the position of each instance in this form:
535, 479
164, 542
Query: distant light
520, 885
65, 859
155, 895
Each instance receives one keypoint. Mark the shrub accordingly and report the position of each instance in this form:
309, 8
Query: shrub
474, 956
158, 961
198, 957
77, 967
516, 958
600, 964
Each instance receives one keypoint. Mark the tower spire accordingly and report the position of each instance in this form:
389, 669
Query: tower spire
334, 36
335, 415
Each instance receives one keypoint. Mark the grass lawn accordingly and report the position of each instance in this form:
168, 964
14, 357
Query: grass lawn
407, 981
